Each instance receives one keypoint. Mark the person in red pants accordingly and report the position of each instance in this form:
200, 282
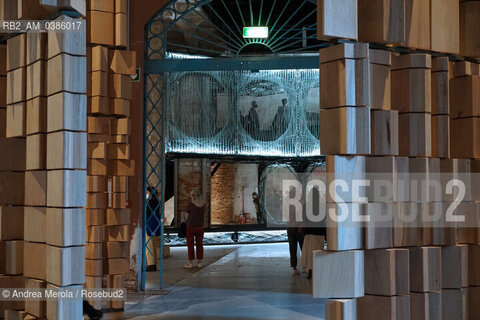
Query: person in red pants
195, 213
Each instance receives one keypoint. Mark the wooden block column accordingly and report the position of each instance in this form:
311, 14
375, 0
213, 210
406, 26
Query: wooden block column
345, 136
66, 165
35, 226
411, 96
440, 108
109, 164
12, 173
465, 111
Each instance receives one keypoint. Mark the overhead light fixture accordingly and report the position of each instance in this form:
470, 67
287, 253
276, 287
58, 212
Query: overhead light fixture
255, 32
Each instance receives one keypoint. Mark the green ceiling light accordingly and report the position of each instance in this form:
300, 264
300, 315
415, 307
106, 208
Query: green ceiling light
255, 32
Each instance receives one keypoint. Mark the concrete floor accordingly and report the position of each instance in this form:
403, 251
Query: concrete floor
247, 282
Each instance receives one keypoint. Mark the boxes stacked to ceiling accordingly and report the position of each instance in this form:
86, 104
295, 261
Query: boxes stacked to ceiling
12, 170
36, 174
345, 128
110, 68
44, 144
423, 126
66, 165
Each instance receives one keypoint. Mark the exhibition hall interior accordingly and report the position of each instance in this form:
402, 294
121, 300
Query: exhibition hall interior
240, 159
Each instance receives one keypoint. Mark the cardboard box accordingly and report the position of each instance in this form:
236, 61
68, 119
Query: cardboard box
440, 136
35, 79
67, 111
340, 273
444, 26
119, 200
36, 153
469, 42
119, 151
96, 150
11, 223
97, 200
121, 6
98, 125
94, 267
15, 120
97, 184
381, 21
121, 30
59, 74
465, 97
338, 86
66, 188
120, 107
36, 252
65, 227
100, 20
97, 167
466, 130
119, 184
97, 58
98, 105
384, 132
64, 308
120, 86
415, 134
337, 19
425, 269
121, 167
66, 41
36, 114
34, 307
345, 130
380, 307
121, 126
101, 5
63, 267
16, 51
118, 233
36, 188
116, 266
66, 150
118, 249
13, 146
122, 61
425, 305
95, 233
13, 257
417, 24
12, 188
35, 224
95, 217
36, 47
93, 250
97, 83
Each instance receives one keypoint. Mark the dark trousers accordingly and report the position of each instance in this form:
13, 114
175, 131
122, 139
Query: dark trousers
196, 233
294, 238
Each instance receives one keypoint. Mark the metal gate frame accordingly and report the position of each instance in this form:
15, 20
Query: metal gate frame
157, 64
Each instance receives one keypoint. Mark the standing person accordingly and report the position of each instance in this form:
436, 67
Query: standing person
295, 238
256, 203
280, 122
153, 222
195, 218
253, 124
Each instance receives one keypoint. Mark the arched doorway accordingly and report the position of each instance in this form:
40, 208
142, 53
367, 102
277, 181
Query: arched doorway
204, 75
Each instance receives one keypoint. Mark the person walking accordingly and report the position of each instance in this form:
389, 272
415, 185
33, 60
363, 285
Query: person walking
195, 214
295, 238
